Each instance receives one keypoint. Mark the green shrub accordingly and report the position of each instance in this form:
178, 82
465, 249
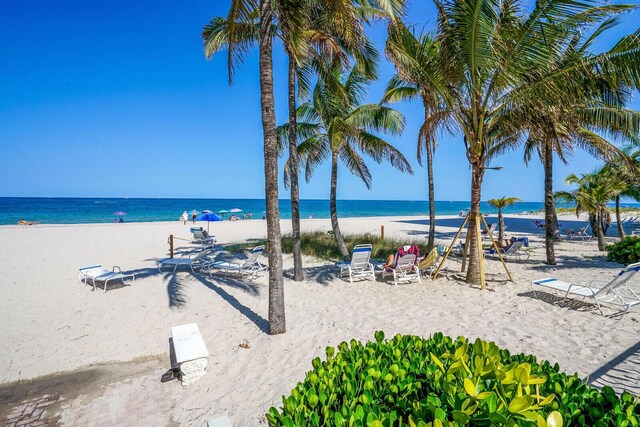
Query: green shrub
626, 251
322, 245
411, 381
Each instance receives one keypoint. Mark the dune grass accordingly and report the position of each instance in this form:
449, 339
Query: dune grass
323, 246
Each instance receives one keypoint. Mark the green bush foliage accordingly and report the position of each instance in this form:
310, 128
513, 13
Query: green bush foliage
441, 382
626, 251
322, 245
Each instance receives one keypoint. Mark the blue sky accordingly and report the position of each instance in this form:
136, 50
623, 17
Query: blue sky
113, 99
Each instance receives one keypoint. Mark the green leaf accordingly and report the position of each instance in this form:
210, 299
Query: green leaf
520, 404
554, 419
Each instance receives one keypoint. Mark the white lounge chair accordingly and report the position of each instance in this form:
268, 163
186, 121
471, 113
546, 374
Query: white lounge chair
405, 270
359, 266
617, 292
197, 260
250, 268
581, 234
96, 273
514, 251
199, 238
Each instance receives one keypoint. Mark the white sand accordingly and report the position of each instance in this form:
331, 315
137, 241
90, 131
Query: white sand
51, 323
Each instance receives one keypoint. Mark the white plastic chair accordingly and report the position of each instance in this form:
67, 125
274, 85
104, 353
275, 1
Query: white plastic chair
513, 251
250, 268
359, 266
581, 234
96, 273
405, 270
194, 261
617, 292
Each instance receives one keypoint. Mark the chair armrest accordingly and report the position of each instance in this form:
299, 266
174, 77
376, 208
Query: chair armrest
119, 270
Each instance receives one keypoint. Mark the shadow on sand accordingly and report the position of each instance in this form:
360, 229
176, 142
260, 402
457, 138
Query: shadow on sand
621, 373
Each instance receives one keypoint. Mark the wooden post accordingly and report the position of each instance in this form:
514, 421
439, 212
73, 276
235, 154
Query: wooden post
446, 254
170, 245
483, 281
495, 246
382, 232
465, 250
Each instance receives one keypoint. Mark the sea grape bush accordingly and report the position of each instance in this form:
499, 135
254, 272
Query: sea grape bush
441, 382
626, 251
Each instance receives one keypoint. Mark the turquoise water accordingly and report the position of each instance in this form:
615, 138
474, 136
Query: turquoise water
100, 210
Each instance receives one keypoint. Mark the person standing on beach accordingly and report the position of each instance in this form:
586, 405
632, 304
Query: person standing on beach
185, 217
194, 214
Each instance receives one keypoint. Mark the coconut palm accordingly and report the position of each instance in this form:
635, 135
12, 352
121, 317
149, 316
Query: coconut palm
628, 176
308, 29
334, 124
407, 85
493, 60
501, 203
249, 22
592, 196
585, 124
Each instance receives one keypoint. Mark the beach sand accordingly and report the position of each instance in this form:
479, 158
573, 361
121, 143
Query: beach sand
97, 358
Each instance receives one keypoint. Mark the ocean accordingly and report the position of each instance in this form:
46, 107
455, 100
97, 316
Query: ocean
101, 210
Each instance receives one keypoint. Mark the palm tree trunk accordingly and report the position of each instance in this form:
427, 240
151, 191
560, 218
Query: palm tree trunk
277, 323
473, 240
619, 219
600, 231
500, 226
432, 202
549, 206
333, 206
298, 272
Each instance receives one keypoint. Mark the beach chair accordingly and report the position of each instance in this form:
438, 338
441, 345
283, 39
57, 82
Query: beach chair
486, 232
617, 292
427, 265
200, 238
359, 266
581, 234
514, 251
96, 273
405, 270
194, 261
251, 268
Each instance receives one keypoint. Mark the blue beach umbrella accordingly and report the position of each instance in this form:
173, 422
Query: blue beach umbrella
208, 217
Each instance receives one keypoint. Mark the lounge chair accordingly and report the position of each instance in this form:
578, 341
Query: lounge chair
580, 234
250, 268
200, 238
513, 251
96, 273
359, 266
616, 292
196, 260
405, 270
426, 266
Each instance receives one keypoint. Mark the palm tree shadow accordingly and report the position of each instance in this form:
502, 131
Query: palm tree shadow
251, 288
621, 373
322, 274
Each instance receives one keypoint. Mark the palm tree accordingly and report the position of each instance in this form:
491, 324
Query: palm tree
562, 128
627, 175
407, 85
500, 204
492, 61
334, 124
246, 23
327, 29
592, 196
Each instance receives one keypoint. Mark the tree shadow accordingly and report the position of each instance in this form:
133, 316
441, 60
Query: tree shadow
252, 288
571, 261
621, 373
322, 274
